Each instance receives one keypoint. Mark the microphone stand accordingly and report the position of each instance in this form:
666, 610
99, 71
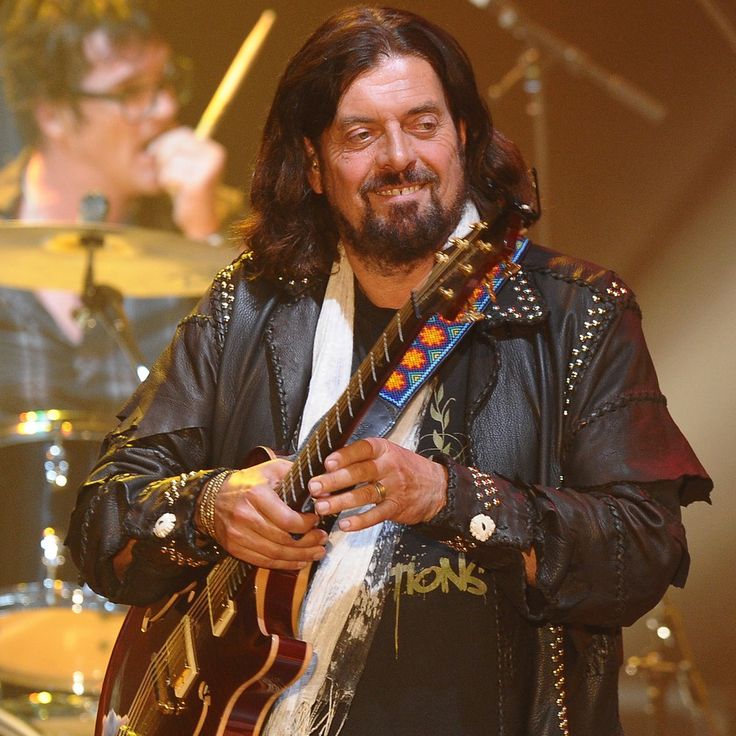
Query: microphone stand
721, 21
542, 47
528, 67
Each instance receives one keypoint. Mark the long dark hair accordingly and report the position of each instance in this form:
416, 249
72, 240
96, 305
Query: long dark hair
291, 233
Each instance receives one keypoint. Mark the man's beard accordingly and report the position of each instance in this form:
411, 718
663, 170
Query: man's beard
406, 235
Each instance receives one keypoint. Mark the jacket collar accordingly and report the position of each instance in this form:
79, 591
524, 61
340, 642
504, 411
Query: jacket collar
519, 301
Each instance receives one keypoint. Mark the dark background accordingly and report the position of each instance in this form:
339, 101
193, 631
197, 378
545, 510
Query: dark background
614, 179
654, 200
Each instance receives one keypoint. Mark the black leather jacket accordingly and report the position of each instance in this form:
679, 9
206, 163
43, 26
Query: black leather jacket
565, 418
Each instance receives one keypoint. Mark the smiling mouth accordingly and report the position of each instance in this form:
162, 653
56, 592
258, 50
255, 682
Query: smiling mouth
398, 191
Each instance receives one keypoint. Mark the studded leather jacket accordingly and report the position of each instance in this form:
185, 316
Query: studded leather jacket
573, 453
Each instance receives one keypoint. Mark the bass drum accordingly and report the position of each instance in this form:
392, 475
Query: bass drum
55, 642
44, 457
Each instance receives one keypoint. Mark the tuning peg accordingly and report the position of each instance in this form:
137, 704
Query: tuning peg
449, 294
490, 289
441, 257
471, 315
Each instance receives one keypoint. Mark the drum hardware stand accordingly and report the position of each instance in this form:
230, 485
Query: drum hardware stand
101, 302
670, 662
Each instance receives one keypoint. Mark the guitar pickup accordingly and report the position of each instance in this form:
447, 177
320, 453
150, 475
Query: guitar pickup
219, 602
175, 668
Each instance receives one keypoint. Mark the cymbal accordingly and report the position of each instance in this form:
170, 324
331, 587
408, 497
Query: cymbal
136, 261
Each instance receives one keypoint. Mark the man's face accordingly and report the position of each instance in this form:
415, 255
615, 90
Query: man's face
391, 164
105, 137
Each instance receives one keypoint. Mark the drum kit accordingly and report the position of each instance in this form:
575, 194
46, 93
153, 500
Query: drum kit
56, 634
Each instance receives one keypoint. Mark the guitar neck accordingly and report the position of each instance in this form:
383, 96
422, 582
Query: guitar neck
336, 427
446, 291
449, 286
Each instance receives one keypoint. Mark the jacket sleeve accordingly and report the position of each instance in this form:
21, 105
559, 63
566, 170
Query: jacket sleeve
608, 540
139, 500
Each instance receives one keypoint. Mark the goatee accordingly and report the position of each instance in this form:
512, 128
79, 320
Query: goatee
408, 233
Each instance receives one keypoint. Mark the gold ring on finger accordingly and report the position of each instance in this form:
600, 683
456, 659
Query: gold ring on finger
380, 490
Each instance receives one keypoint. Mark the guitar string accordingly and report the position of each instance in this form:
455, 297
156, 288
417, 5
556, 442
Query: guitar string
159, 664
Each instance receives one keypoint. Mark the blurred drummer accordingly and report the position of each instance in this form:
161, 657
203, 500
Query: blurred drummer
96, 91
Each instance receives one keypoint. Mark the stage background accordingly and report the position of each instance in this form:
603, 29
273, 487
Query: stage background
654, 200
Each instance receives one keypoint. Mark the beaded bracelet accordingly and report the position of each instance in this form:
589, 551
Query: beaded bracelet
207, 505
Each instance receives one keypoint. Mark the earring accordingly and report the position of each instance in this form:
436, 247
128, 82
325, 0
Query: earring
315, 163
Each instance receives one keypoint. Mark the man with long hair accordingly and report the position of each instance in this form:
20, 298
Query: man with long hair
480, 542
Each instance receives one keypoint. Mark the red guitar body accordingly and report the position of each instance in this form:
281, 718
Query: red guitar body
188, 667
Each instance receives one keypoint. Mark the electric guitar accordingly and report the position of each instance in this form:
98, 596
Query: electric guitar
212, 658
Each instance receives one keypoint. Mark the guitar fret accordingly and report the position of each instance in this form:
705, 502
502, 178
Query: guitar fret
328, 439
373, 366
301, 475
385, 348
318, 447
293, 490
360, 386
398, 327
350, 406
337, 418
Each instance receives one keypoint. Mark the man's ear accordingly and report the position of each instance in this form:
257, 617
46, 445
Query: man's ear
462, 132
314, 175
54, 119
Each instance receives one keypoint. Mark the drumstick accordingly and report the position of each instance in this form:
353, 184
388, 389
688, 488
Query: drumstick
234, 75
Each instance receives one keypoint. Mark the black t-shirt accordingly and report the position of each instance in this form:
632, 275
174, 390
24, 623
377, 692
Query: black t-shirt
432, 668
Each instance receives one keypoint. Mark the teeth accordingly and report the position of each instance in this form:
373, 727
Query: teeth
398, 192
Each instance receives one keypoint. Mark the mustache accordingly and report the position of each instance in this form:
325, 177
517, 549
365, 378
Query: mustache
398, 178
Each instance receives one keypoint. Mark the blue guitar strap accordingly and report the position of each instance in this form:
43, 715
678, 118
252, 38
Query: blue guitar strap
437, 338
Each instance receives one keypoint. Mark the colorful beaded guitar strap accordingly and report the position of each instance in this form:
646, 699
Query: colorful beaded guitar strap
436, 340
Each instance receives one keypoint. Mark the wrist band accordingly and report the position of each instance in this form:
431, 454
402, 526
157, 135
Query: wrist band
207, 504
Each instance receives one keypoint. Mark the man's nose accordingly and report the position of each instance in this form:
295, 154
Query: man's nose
396, 150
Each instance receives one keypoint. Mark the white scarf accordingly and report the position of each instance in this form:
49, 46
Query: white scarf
345, 577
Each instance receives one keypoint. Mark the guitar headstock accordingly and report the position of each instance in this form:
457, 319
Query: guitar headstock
468, 264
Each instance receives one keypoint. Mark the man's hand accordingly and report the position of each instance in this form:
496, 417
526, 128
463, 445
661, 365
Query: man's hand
190, 170
254, 524
414, 488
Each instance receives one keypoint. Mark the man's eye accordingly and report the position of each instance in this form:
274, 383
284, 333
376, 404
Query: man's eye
356, 137
425, 125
